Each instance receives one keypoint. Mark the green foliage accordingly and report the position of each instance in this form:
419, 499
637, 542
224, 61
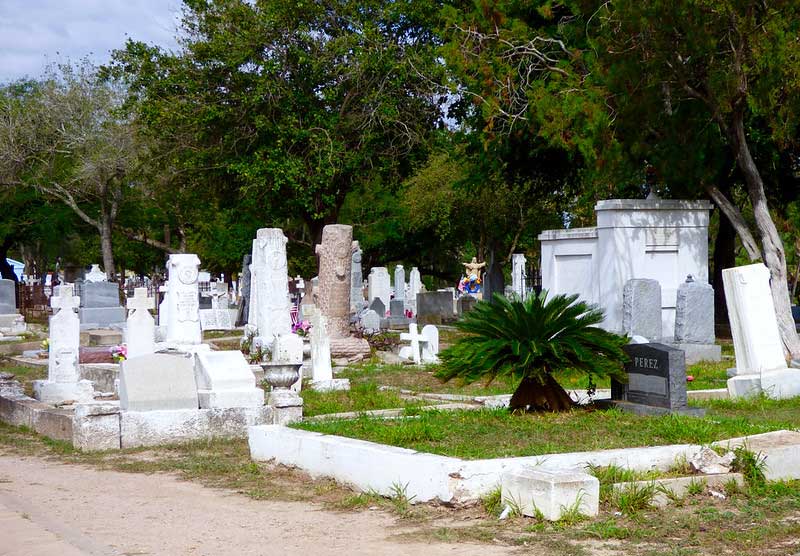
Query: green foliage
493, 501
532, 339
751, 465
633, 498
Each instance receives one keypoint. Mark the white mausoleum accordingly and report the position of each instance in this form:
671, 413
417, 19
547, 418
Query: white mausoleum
650, 238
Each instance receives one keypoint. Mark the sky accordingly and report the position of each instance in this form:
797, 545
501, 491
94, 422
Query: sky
35, 33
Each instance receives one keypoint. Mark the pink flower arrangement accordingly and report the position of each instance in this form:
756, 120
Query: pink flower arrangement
119, 353
301, 328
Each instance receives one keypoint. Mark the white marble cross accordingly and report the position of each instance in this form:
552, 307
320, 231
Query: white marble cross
140, 300
415, 338
63, 299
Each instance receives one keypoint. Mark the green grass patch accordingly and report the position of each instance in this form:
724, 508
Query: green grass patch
362, 396
497, 433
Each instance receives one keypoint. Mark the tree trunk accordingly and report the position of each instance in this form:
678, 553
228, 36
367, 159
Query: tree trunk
532, 395
6, 271
107, 248
771, 244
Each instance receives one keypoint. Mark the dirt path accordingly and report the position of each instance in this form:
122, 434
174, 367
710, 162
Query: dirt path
50, 508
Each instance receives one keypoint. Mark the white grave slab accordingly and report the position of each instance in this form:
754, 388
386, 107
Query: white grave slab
225, 380
140, 331
157, 381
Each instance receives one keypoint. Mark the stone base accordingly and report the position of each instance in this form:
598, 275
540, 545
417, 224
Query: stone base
349, 348
646, 410
331, 385
104, 376
699, 352
287, 406
224, 399
101, 317
59, 392
12, 324
778, 385
550, 493
104, 337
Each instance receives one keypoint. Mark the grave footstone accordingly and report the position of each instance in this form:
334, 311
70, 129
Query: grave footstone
641, 308
159, 381
656, 381
224, 380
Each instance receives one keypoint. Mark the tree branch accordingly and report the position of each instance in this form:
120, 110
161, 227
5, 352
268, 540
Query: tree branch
736, 219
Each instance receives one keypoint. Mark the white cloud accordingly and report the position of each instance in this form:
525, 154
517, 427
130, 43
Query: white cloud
34, 33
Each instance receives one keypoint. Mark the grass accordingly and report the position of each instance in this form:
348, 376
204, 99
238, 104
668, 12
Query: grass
486, 433
362, 396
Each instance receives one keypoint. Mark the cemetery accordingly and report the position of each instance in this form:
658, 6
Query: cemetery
403, 277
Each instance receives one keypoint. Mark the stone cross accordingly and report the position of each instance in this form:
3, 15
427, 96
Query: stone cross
140, 329
415, 338
63, 299
335, 267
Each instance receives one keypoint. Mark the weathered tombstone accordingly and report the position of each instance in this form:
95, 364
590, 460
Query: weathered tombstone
156, 382
96, 275
218, 317
141, 328
397, 314
8, 297
356, 280
224, 380
760, 362
466, 303
371, 322
641, 308
435, 307
100, 307
518, 276
430, 345
335, 266
321, 370
400, 283
269, 286
63, 377
414, 287
656, 381
694, 322
244, 288
379, 285
378, 306
183, 307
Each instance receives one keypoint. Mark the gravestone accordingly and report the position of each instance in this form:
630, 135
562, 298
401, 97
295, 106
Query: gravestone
356, 280
157, 381
397, 314
183, 307
371, 322
244, 288
656, 381
8, 297
435, 307
760, 362
518, 285
96, 275
414, 287
379, 285
378, 306
321, 370
466, 303
269, 286
424, 346
335, 267
63, 376
694, 322
641, 308
100, 307
430, 347
140, 331
400, 283
224, 380
218, 317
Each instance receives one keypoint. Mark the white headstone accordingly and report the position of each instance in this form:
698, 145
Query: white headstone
183, 313
140, 331
380, 285
269, 286
430, 346
157, 381
371, 322
320, 346
518, 276
63, 378
414, 287
224, 380
760, 362
96, 275
400, 283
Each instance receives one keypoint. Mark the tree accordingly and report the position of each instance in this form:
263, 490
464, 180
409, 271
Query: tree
531, 341
738, 65
291, 104
64, 137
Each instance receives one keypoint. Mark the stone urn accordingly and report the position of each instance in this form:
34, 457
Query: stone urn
280, 376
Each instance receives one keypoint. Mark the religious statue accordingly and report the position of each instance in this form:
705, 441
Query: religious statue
474, 269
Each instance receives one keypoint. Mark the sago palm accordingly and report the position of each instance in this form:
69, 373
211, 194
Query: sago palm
529, 341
